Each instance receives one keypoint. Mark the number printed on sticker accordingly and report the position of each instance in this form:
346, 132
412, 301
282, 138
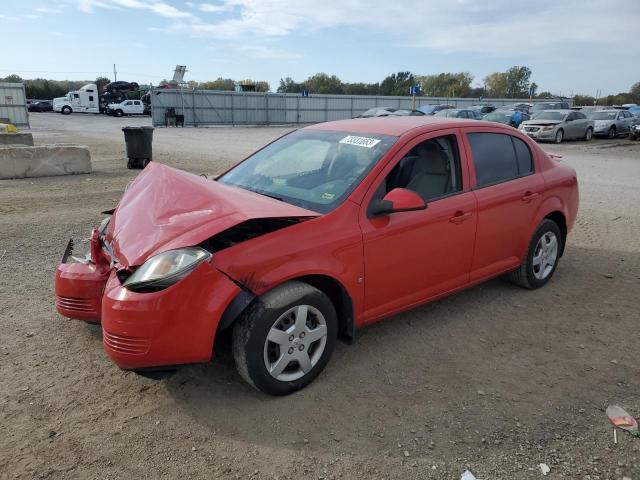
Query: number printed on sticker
360, 141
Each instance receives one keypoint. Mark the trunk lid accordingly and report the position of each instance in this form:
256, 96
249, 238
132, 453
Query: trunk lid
165, 208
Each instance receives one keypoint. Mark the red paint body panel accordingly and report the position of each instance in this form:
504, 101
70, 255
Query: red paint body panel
171, 327
385, 264
79, 289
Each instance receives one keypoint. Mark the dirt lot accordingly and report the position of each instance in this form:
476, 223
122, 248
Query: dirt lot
495, 379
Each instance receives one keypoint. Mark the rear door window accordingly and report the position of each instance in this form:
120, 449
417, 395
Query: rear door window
499, 157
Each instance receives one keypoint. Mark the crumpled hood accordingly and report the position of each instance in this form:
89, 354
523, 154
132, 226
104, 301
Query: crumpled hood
165, 208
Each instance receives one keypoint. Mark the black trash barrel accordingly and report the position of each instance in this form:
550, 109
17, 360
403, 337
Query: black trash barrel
138, 141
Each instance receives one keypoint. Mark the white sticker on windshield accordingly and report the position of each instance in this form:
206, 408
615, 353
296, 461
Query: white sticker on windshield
360, 141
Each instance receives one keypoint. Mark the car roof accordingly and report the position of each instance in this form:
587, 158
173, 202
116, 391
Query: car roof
396, 126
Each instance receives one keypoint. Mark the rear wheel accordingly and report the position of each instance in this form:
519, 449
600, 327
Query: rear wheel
285, 338
559, 136
542, 257
588, 135
145, 162
612, 132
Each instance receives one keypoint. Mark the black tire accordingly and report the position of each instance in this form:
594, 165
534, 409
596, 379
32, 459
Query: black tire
119, 113
251, 330
66, 110
145, 162
524, 276
129, 164
588, 135
559, 136
612, 132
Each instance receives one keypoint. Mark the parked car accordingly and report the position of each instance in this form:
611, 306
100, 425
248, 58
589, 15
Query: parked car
634, 134
121, 86
389, 112
433, 109
41, 106
482, 109
506, 117
522, 107
558, 125
128, 107
555, 105
611, 123
319, 233
457, 113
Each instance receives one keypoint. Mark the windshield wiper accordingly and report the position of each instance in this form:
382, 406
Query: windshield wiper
260, 192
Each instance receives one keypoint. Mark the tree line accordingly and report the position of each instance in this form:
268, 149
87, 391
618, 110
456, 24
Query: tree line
512, 83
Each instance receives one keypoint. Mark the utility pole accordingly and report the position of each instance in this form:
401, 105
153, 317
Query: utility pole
114, 73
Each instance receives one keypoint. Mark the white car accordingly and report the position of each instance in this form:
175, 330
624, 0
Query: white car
127, 107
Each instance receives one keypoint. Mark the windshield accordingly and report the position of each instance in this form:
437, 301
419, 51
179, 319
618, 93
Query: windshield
377, 112
559, 116
449, 112
542, 106
603, 115
427, 108
498, 117
312, 169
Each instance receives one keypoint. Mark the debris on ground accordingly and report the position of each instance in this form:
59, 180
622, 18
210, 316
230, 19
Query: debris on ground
467, 475
621, 419
544, 468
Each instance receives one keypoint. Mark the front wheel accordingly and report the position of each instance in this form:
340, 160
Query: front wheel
66, 110
119, 113
612, 132
284, 339
559, 136
542, 257
588, 135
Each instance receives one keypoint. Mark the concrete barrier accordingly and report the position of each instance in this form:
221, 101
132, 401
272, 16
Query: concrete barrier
43, 160
16, 139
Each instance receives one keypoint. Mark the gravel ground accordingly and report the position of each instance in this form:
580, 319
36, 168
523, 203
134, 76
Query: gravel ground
495, 379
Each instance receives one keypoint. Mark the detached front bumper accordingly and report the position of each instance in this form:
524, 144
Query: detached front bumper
174, 326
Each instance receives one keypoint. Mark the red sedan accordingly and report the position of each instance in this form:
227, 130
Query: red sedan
325, 230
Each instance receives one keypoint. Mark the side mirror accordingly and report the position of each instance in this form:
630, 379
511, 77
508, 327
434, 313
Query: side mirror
398, 200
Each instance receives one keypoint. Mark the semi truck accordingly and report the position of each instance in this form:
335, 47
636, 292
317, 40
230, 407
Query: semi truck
84, 100
88, 99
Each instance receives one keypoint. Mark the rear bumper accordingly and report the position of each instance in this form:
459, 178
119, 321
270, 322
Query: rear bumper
172, 327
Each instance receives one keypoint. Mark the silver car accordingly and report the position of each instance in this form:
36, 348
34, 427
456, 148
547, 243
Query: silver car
611, 123
558, 125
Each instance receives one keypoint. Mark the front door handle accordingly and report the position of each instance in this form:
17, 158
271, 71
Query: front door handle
460, 216
528, 196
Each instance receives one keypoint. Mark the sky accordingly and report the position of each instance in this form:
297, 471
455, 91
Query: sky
572, 46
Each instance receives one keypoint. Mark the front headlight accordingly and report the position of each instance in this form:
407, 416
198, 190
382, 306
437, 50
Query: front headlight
165, 269
547, 129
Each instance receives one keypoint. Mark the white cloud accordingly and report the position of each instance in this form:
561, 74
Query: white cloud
501, 27
32, 16
266, 53
212, 7
52, 11
159, 8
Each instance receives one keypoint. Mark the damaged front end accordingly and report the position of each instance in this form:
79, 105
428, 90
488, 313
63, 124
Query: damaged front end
80, 282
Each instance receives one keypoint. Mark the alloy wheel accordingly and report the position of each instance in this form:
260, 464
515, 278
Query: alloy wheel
295, 343
545, 255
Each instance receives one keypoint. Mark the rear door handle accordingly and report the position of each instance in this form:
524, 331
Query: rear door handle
460, 217
528, 196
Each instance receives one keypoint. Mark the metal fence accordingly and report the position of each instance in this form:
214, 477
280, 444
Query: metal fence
207, 107
13, 104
